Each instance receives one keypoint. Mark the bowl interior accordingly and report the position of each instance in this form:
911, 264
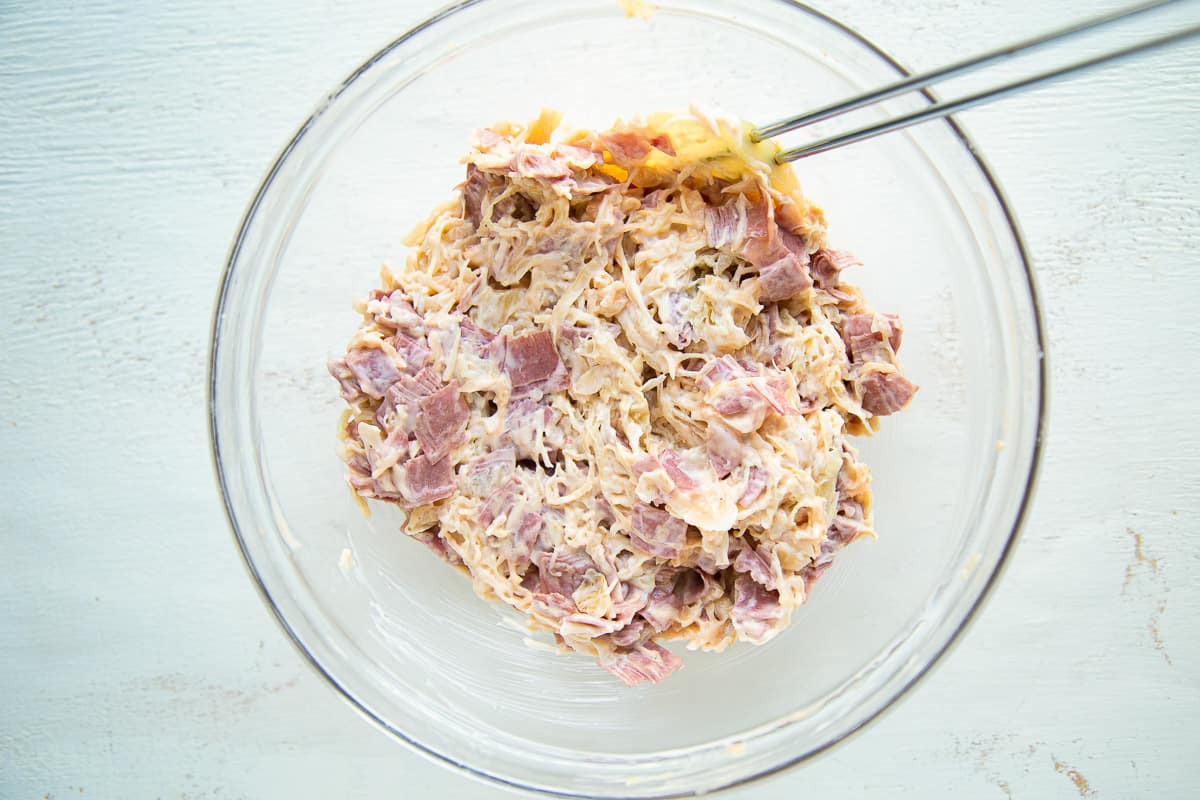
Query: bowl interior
404, 635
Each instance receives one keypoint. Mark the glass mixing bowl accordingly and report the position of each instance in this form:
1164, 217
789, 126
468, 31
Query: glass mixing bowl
400, 634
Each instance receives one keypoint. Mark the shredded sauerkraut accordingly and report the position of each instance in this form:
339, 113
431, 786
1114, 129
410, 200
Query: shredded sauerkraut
613, 384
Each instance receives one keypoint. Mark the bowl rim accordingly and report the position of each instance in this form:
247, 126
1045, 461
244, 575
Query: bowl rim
974, 607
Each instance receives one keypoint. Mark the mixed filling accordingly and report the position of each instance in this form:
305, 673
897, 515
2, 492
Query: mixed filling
613, 384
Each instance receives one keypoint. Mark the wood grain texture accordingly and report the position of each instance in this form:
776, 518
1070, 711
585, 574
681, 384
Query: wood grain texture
138, 661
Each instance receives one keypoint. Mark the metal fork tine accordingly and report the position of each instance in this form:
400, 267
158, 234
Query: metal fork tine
949, 107
951, 70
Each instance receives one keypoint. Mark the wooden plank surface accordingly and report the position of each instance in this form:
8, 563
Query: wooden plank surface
138, 662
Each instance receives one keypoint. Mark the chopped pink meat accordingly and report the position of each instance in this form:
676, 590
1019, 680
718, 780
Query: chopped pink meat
865, 344
756, 483
859, 335
425, 481
649, 662
417, 356
373, 368
628, 600
439, 547
756, 609
559, 379
665, 601
826, 266
895, 330
825, 555
500, 501
752, 562
690, 586
442, 420
531, 358
663, 142
525, 536
374, 480
625, 145
703, 561
384, 415
562, 570
671, 464
345, 378
743, 407
412, 388
577, 157
812, 572
406, 393
886, 393
725, 368
645, 463
656, 532
762, 244
473, 190
390, 452
488, 141
736, 400
554, 604
573, 334
792, 218
474, 337
596, 626
665, 576
721, 224
591, 184
725, 448
848, 523
533, 162
359, 475
414, 351
794, 244
380, 489
631, 635
394, 311
746, 404
782, 279
748, 232
776, 389
496, 350
662, 608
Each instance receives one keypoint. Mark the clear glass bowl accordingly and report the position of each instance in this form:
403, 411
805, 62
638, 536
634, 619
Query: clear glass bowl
401, 635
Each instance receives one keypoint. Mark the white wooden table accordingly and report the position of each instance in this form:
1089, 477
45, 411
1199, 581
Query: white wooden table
136, 660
